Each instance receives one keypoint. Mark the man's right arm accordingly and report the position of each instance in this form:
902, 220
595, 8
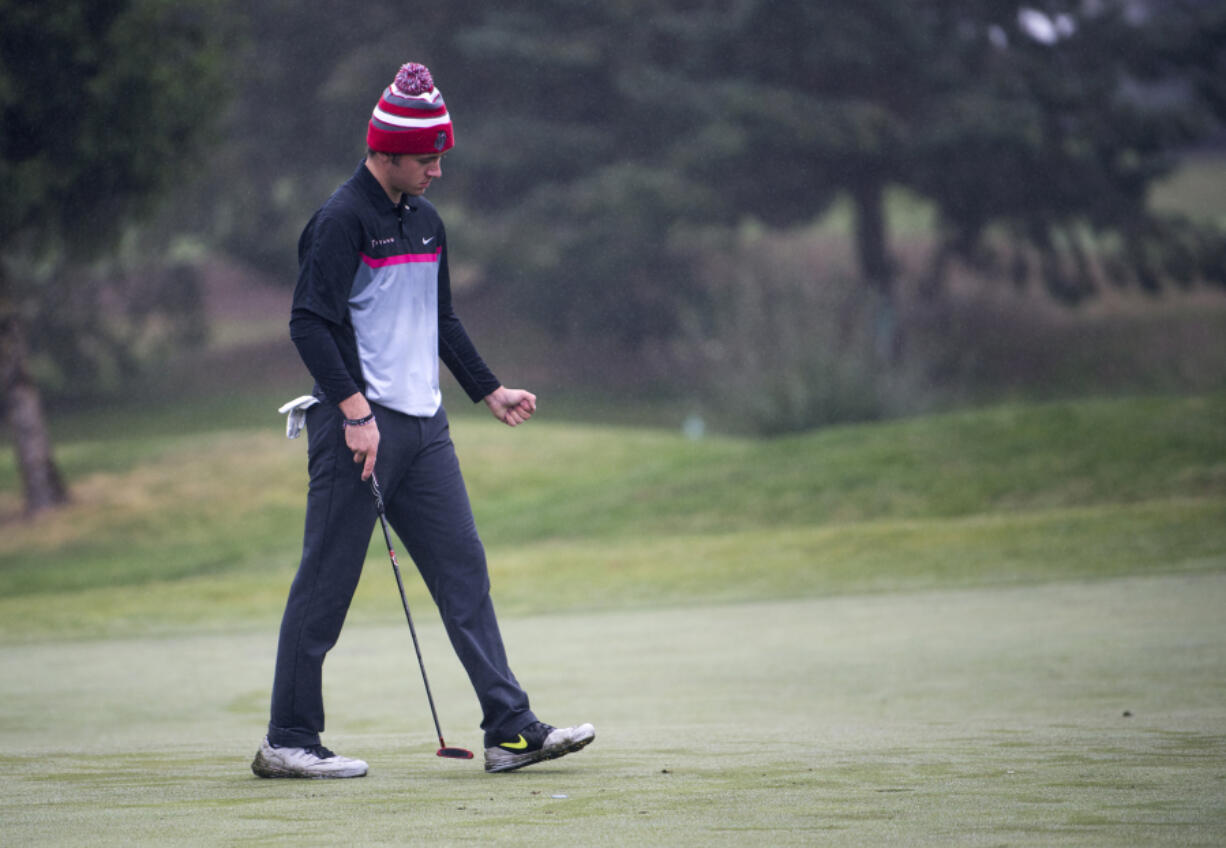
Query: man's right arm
328, 255
315, 338
318, 349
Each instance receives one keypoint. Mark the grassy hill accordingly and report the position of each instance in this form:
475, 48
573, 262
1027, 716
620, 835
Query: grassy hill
202, 528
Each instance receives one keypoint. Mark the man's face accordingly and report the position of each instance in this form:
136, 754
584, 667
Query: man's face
413, 174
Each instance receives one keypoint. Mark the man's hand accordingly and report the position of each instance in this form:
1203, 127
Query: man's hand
511, 406
363, 440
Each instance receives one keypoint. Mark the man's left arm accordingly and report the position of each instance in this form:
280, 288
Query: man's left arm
511, 406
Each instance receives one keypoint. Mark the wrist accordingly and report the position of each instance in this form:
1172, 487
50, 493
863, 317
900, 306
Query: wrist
358, 422
355, 406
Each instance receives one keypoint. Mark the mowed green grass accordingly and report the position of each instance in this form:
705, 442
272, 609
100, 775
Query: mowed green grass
1000, 627
1060, 714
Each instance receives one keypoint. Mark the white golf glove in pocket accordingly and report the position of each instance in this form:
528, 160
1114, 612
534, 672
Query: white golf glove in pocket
295, 412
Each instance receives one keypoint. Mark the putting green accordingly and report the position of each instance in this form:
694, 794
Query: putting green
1061, 714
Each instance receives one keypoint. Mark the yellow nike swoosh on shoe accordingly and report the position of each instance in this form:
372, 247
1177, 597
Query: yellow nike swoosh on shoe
518, 745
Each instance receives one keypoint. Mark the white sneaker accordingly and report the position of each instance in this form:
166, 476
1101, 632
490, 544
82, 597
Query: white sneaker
315, 761
537, 742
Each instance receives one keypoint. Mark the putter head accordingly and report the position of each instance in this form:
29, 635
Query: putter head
454, 753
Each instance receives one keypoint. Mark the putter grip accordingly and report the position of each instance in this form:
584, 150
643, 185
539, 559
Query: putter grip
374, 490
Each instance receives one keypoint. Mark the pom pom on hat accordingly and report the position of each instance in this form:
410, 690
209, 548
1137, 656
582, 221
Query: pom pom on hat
413, 79
411, 116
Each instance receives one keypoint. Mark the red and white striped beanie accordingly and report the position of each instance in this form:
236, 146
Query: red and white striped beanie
410, 117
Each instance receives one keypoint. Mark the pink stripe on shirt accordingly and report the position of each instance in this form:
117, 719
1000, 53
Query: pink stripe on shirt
401, 259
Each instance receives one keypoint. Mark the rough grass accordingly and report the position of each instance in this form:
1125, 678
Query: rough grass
1005, 495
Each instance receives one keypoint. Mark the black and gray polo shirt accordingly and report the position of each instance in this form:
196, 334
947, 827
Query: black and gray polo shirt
372, 308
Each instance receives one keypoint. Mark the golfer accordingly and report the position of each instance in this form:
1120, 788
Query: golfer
371, 317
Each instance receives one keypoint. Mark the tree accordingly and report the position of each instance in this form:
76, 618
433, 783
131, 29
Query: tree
593, 138
1073, 112
566, 170
104, 105
1040, 126
1048, 119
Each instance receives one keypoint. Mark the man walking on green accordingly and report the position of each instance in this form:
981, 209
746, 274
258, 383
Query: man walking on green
371, 317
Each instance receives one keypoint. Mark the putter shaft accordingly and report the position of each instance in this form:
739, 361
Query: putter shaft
444, 751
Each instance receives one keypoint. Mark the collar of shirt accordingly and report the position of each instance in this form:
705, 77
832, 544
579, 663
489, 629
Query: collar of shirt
375, 193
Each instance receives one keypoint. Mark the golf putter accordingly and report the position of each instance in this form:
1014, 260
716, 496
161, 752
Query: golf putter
443, 751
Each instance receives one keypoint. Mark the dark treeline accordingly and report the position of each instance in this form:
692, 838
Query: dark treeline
606, 152
632, 123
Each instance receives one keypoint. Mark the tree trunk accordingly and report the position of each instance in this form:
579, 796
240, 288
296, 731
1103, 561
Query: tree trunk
872, 252
876, 265
42, 485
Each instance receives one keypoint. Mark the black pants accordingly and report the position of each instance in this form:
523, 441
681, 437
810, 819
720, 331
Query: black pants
427, 505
